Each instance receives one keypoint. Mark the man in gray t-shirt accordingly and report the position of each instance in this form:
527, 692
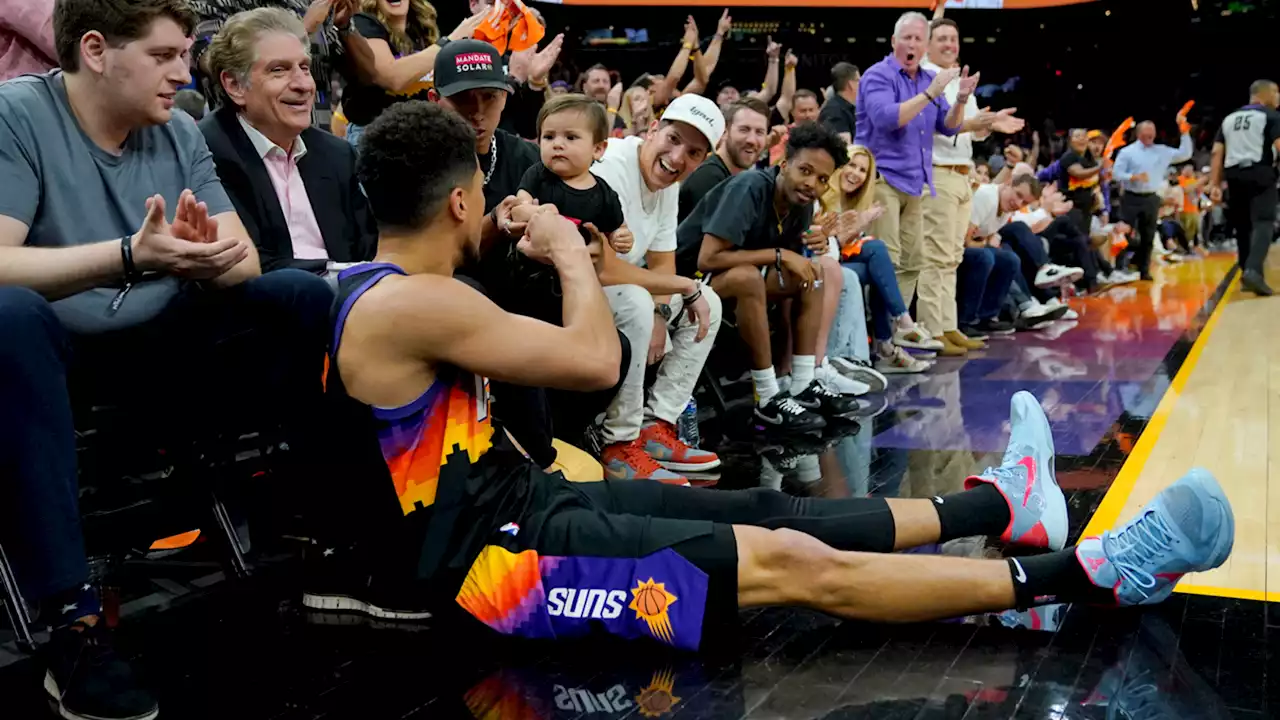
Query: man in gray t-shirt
68, 191
125, 272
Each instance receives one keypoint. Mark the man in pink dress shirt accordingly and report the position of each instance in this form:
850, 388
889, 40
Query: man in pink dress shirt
26, 37
293, 186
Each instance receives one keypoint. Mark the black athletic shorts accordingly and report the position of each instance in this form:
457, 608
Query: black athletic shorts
606, 556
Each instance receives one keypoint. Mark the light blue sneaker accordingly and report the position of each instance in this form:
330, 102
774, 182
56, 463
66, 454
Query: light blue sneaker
1026, 478
1189, 527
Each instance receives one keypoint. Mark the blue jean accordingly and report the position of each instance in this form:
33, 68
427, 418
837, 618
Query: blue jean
264, 341
353, 135
874, 268
983, 282
848, 337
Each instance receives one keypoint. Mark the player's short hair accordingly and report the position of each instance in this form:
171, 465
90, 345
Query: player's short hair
411, 157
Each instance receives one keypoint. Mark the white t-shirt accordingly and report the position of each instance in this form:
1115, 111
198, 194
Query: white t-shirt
651, 217
958, 149
1031, 218
985, 211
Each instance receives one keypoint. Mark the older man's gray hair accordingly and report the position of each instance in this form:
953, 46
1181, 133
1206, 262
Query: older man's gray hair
909, 18
234, 49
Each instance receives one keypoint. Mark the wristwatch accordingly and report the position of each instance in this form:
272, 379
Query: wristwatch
444, 40
664, 310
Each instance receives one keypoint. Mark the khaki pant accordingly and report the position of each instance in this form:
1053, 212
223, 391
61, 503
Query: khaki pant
946, 222
901, 228
1191, 225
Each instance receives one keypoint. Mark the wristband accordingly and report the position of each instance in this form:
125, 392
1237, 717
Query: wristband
692, 297
613, 110
130, 273
791, 68
927, 95
444, 40
689, 46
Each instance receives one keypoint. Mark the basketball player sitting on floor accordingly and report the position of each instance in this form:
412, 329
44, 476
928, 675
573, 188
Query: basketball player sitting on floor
436, 513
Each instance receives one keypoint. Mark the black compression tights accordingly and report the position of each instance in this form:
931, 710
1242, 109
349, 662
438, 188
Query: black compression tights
861, 524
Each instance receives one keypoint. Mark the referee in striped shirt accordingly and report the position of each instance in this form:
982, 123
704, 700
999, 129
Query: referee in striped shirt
1244, 153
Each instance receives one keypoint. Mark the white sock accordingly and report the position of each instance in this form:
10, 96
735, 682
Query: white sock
802, 367
884, 348
765, 383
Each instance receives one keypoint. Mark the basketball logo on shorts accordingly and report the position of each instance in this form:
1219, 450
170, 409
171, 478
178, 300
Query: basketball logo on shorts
651, 601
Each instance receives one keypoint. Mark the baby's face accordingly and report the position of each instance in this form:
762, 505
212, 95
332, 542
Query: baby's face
567, 145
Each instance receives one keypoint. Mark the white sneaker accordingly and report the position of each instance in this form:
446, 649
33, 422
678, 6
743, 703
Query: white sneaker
1050, 275
1068, 315
862, 372
1120, 277
835, 382
900, 362
917, 337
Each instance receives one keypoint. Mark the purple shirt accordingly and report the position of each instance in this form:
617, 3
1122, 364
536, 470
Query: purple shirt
904, 155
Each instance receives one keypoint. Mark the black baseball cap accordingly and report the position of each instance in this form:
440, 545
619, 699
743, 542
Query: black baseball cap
469, 65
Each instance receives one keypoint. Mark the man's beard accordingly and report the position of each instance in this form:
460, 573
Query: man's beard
737, 155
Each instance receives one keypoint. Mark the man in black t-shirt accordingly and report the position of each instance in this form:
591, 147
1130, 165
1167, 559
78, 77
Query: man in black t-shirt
839, 115
746, 122
747, 236
1080, 176
1244, 152
470, 81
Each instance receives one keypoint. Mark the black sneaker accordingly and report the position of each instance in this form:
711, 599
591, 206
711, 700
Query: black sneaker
335, 580
996, 326
783, 414
973, 333
1253, 282
89, 681
825, 402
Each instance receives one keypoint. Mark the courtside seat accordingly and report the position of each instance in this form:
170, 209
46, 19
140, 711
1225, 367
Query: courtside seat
133, 493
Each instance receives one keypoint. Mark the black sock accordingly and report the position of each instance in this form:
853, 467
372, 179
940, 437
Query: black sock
980, 511
64, 608
1054, 577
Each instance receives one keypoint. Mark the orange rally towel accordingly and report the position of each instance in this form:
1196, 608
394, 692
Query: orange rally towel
510, 20
1117, 138
1184, 126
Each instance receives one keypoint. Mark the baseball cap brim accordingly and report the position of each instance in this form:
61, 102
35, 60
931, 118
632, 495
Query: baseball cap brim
472, 84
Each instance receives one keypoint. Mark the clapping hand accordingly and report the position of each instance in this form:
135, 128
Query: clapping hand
160, 246
968, 83
542, 61
691, 32
1005, 122
941, 80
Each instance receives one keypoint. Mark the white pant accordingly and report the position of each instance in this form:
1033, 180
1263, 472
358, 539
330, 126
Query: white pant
633, 313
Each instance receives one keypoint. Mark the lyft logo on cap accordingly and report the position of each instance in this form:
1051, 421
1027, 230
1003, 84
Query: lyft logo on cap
471, 62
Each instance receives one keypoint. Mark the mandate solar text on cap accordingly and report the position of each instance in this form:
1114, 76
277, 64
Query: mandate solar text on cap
700, 112
469, 65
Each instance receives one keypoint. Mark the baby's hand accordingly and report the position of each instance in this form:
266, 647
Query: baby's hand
621, 240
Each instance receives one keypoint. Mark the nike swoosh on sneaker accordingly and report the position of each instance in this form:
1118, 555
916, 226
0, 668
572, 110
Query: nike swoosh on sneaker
808, 404
1029, 463
771, 420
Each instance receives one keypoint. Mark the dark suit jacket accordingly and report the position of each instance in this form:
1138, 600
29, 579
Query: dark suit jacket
328, 173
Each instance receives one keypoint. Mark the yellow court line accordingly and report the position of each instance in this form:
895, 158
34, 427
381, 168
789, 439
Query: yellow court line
1118, 494
1234, 593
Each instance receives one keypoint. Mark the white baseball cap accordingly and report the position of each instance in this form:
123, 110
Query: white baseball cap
700, 112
